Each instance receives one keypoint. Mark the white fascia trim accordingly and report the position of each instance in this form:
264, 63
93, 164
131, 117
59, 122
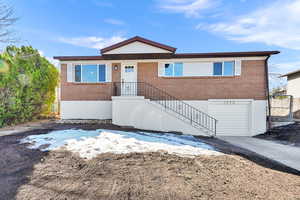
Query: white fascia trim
167, 60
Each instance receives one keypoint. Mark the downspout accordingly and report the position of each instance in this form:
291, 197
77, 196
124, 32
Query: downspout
268, 93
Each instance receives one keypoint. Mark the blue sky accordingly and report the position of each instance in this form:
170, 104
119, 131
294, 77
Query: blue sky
77, 27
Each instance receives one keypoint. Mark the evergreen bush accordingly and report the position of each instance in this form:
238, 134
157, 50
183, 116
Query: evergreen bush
27, 85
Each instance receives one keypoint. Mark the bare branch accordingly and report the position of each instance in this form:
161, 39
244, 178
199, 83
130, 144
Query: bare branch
7, 19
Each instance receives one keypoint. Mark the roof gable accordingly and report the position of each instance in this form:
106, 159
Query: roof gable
137, 45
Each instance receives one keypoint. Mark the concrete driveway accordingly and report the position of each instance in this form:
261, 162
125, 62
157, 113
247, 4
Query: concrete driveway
285, 154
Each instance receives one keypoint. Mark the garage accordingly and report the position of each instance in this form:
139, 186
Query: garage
234, 116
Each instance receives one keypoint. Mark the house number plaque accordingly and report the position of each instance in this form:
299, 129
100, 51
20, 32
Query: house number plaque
229, 102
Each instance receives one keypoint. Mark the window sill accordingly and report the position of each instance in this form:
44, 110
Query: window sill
100, 83
199, 77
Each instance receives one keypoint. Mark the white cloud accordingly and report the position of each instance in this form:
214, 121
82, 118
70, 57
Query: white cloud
41, 52
190, 8
284, 67
53, 61
92, 41
275, 81
278, 24
279, 68
114, 21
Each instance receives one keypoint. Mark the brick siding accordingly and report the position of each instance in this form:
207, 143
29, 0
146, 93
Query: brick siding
250, 85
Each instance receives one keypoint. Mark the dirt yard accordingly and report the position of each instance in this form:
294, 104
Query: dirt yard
32, 174
289, 134
62, 175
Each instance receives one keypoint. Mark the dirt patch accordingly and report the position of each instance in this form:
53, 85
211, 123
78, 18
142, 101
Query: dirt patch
32, 174
289, 134
16, 165
17, 161
63, 175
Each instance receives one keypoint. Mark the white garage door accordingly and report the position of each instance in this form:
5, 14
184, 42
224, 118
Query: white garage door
233, 117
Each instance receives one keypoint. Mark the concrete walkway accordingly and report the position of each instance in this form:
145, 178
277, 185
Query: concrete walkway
285, 154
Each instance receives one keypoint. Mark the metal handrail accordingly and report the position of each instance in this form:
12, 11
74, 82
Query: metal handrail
191, 114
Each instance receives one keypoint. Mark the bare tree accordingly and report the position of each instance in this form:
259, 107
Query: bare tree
7, 19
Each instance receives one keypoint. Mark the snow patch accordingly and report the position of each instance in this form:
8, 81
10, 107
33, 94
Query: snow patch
88, 144
57, 139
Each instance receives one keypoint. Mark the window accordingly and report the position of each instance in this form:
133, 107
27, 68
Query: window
168, 69
229, 68
224, 68
175, 69
102, 73
178, 69
129, 69
90, 73
218, 69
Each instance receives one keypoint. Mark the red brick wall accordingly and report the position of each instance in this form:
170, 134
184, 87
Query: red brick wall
116, 73
250, 85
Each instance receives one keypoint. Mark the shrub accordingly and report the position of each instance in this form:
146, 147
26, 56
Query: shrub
27, 85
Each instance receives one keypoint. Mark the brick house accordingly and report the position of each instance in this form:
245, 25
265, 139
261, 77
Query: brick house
145, 84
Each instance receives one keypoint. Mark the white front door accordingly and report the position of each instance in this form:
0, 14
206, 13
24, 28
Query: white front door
129, 79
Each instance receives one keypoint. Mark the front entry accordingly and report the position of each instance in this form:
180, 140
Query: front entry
128, 79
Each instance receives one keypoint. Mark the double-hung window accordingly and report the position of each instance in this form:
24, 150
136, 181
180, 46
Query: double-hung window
90, 73
226, 68
173, 69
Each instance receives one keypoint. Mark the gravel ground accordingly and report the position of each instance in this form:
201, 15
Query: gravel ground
32, 174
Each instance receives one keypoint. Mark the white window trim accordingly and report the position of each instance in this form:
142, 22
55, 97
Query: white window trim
98, 73
212, 71
223, 67
98, 78
80, 73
